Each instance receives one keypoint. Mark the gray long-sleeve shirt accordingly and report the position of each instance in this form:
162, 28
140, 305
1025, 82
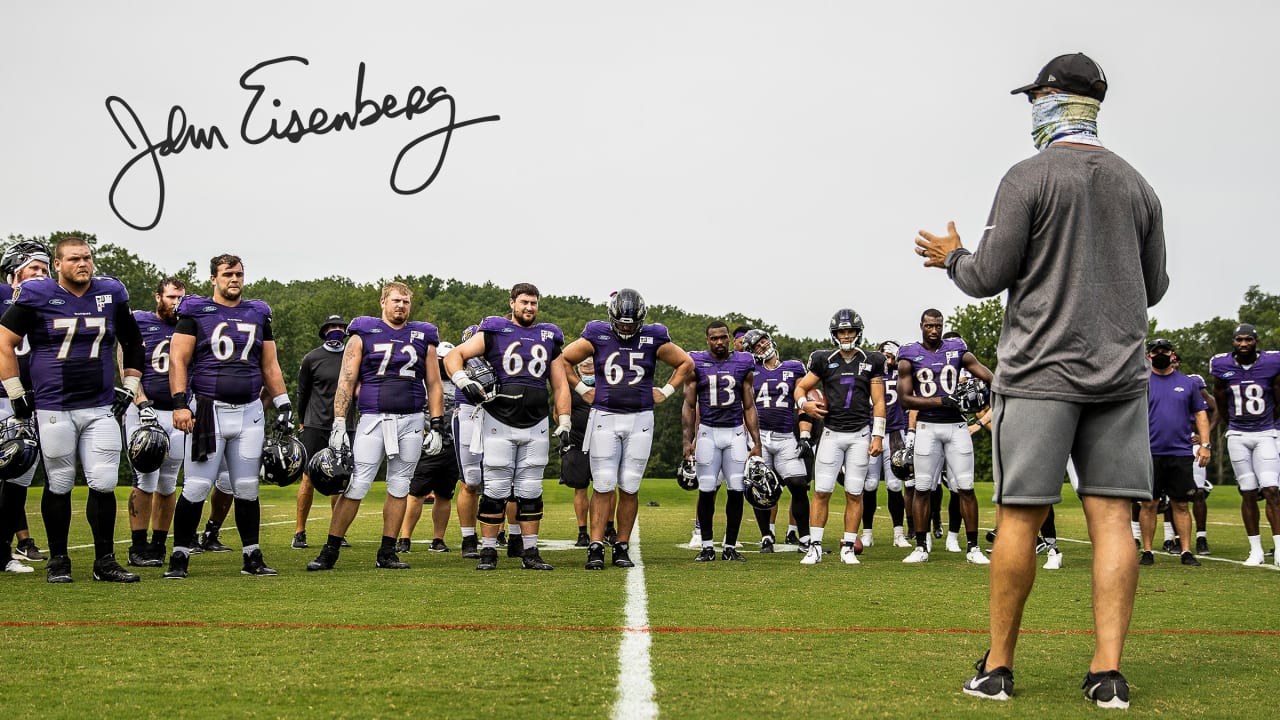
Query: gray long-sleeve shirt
1076, 237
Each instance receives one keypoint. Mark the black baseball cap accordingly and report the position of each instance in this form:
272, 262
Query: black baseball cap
1077, 74
1245, 329
1160, 344
330, 321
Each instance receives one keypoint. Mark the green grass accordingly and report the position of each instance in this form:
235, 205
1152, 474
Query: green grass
766, 639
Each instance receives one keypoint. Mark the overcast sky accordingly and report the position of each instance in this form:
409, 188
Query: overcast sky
774, 159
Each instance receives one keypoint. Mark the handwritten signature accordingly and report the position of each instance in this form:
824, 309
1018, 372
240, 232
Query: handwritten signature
180, 134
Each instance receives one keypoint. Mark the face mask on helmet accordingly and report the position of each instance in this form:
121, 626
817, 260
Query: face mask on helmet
759, 344
846, 319
626, 313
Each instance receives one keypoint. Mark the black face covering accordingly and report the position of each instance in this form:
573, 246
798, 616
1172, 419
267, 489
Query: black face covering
1161, 361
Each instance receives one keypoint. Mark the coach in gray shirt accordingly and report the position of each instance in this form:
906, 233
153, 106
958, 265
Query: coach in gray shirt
1075, 236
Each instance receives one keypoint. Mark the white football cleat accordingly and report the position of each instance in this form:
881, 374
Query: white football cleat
848, 556
867, 540
17, 566
953, 545
813, 555
901, 541
1054, 561
918, 555
976, 556
1255, 558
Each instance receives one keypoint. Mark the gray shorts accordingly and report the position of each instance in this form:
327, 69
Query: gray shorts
1032, 439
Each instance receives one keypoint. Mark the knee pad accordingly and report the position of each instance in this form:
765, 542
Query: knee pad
492, 511
529, 509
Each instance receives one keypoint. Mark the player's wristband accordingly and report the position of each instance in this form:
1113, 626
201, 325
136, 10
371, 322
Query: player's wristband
582, 388
877, 427
459, 378
667, 390
181, 401
132, 383
805, 435
280, 400
801, 403
13, 387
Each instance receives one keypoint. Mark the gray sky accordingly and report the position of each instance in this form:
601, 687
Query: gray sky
770, 158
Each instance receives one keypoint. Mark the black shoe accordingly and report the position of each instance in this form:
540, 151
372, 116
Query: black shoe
1107, 689
156, 551
766, 545
502, 538
209, 543
325, 560
344, 542
177, 566
1148, 558
403, 546
731, 553
792, 538
620, 556
533, 561
991, 535
27, 550
140, 556
993, 684
611, 535
1189, 558
387, 560
300, 541
1172, 547
595, 556
106, 569
59, 569
937, 533
471, 547
488, 559
255, 565
437, 545
584, 540
1202, 546
708, 554
515, 546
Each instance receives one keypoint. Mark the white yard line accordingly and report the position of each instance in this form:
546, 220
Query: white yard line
635, 674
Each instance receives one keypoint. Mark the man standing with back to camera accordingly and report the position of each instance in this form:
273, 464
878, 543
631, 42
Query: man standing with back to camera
1076, 237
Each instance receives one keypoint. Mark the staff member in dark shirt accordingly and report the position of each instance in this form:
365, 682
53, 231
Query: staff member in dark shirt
317, 382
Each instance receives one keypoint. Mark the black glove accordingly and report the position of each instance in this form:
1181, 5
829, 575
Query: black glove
562, 434
474, 391
121, 403
807, 448
284, 418
147, 413
950, 402
23, 408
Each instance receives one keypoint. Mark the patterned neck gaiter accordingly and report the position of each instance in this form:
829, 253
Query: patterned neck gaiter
1064, 117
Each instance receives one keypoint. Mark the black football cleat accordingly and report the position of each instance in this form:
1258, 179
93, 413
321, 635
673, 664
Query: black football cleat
255, 565
488, 559
403, 545
299, 541
533, 561
59, 569
731, 553
584, 540
621, 558
766, 544
708, 554
209, 543
388, 560
27, 550
515, 546
437, 545
142, 557
595, 556
177, 566
106, 569
990, 683
1202, 546
1107, 690
325, 560
471, 547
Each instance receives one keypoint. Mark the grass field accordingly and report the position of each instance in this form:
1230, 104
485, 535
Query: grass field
766, 639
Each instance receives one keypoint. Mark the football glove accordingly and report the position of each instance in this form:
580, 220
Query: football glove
123, 399
23, 408
147, 413
338, 438
473, 390
562, 433
284, 418
433, 438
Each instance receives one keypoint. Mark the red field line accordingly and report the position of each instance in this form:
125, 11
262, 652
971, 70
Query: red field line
664, 629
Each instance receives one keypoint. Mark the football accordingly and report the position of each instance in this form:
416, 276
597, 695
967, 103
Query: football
857, 546
815, 396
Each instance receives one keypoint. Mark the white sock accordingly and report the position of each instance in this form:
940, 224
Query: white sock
513, 528
773, 529
1168, 531
790, 529
489, 542
1275, 543
805, 539
248, 549
1255, 543
816, 534
468, 531
850, 537
530, 541
1136, 528
898, 531
953, 537
1201, 534
866, 534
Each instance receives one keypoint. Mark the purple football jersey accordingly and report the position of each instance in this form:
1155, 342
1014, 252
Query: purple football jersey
227, 364
775, 404
521, 358
624, 368
720, 386
847, 385
24, 348
393, 366
1171, 405
935, 373
157, 335
1250, 401
895, 417
73, 344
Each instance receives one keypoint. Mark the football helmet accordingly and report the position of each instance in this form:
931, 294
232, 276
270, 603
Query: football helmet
971, 395
761, 484
444, 348
471, 330
626, 313
283, 459
687, 474
754, 338
903, 463
479, 370
19, 448
846, 319
148, 447
20, 253
330, 470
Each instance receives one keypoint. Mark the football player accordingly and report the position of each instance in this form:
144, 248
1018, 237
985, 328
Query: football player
1246, 382
928, 374
516, 446
719, 405
72, 325
468, 418
852, 382
575, 467
393, 359
774, 381
626, 353
151, 501
317, 383
434, 474
900, 434
21, 261
223, 349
